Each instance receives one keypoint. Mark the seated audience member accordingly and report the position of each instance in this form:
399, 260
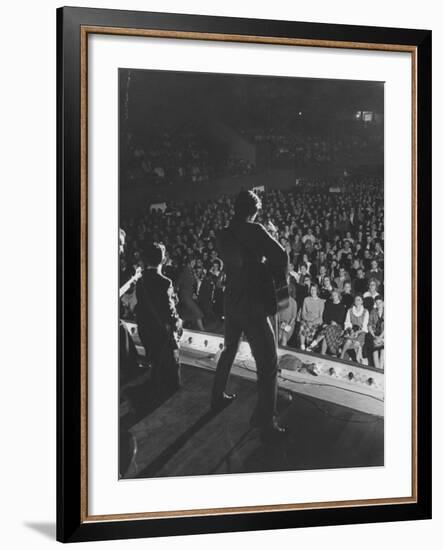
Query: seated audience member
370, 295
311, 316
375, 274
302, 273
360, 282
309, 237
307, 263
322, 273
331, 335
333, 268
287, 318
302, 290
346, 250
376, 334
356, 328
326, 289
347, 297
343, 277
206, 299
187, 295
367, 260
355, 265
378, 252
293, 275
297, 247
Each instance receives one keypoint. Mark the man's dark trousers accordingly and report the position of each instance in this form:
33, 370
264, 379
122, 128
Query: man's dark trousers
258, 330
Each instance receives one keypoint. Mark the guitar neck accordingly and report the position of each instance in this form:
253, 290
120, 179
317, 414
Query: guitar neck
124, 289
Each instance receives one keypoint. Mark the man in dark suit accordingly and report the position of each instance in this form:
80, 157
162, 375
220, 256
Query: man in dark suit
158, 322
302, 290
249, 300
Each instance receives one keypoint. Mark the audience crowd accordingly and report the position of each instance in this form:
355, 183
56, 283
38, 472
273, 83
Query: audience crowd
190, 157
303, 150
170, 157
335, 245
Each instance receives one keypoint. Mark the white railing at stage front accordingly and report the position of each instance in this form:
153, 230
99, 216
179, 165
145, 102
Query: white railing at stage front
348, 384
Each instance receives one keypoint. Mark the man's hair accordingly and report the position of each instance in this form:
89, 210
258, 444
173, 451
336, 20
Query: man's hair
246, 204
154, 254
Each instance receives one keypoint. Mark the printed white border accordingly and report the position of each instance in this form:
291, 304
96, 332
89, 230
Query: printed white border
107, 495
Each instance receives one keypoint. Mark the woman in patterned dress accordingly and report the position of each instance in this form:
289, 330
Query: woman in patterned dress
356, 328
376, 334
311, 317
331, 335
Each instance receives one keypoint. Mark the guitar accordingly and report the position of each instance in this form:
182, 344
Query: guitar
124, 289
273, 283
275, 289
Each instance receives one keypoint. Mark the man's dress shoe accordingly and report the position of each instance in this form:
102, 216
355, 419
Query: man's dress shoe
222, 401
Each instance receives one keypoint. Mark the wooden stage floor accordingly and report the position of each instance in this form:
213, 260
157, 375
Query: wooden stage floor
181, 437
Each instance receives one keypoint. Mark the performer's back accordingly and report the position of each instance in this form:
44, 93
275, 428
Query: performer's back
156, 288
249, 300
243, 247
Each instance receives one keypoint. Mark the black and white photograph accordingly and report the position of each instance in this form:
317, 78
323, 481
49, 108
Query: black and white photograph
251, 273
215, 214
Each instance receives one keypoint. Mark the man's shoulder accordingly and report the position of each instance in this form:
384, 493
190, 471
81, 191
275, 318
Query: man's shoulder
247, 229
257, 226
243, 226
153, 277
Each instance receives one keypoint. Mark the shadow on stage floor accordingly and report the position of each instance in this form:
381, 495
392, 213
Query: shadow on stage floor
182, 437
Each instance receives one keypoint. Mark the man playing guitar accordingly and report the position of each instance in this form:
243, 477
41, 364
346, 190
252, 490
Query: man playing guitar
255, 265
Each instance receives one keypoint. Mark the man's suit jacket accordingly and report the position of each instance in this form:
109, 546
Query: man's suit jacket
155, 310
244, 246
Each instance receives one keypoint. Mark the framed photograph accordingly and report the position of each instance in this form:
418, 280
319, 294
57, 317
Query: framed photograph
244, 218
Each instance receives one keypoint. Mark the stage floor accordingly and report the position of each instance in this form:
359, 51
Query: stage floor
182, 437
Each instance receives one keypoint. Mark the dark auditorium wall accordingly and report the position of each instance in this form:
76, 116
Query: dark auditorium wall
141, 197
237, 144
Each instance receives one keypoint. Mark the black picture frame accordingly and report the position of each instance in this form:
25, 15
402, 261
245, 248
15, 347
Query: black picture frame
72, 525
